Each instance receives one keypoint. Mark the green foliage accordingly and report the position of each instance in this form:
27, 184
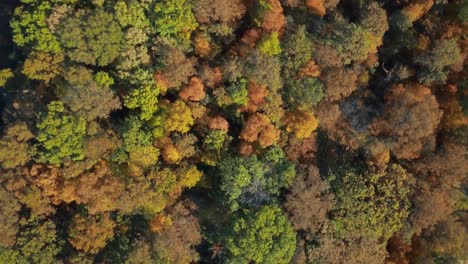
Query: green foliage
145, 98
60, 135
94, 38
374, 205
351, 41
174, 18
260, 236
5, 75
254, 181
238, 93
131, 14
304, 93
270, 45
37, 242
103, 79
296, 51
30, 29
85, 96
436, 62
214, 140
134, 134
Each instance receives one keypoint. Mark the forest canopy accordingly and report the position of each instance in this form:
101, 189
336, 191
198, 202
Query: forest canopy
233, 131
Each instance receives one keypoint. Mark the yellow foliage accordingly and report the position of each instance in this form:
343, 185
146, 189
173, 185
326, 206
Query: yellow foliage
179, 117
188, 177
302, 124
170, 154
417, 10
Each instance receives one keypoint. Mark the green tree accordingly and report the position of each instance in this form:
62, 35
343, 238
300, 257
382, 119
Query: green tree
145, 98
94, 38
29, 26
304, 93
260, 236
254, 181
296, 51
174, 18
37, 242
270, 44
435, 63
84, 95
374, 205
60, 135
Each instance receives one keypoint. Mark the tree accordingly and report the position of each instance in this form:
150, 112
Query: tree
409, 136
176, 244
29, 27
340, 83
179, 117
270, 44
194, 91
303, 94
9, 209
309, 201
90, 233
261, 235
60, 135
174, 18
145, 98
223, 11
177, 68
5, 75
259, 129
351, 41
373, 205
436, 62
14, 147
302, 124
254, 181
93, 38
84, 95
296, 51
131, 14
37, 242
269, 15
42, 66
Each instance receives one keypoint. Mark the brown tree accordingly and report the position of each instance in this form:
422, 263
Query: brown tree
176, 243
224, 11
90, 233
309, 200
410, 120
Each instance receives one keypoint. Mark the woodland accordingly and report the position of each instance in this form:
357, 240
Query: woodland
233, 131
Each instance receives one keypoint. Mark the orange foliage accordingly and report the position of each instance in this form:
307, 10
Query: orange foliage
194, 91
159, 223
257, 94
202, 45
273, 19
310, 69
259, 129
161, 81
219, 123
316, 6
248, 41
